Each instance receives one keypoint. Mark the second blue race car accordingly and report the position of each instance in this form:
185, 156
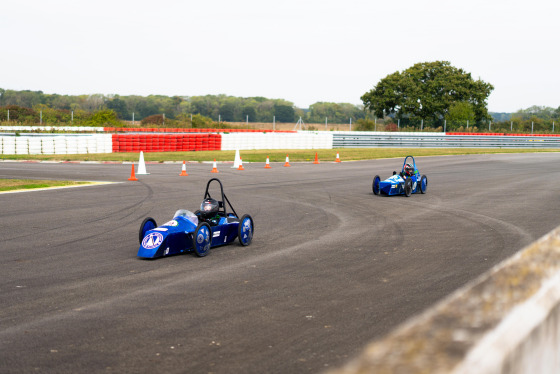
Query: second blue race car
196, 232
407, 182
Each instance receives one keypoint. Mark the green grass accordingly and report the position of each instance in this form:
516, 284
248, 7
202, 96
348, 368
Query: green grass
28, 184
346, 154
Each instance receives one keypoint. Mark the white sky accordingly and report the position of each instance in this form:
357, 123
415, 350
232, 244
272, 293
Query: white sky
303, 51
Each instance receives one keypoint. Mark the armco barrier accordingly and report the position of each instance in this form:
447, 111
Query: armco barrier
507, 321
439, 140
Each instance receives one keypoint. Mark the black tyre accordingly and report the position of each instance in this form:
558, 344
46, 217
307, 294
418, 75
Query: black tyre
147, 225
202, 239
407, 187
245, 230
423, 184
375, 185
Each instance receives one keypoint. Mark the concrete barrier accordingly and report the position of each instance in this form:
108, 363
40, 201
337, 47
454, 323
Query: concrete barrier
299, 140
507, 321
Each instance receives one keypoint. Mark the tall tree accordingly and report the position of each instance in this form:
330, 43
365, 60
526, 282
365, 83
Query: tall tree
427, 90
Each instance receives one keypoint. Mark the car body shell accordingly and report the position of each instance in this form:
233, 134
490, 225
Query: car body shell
176, 236
395, 185
189, 232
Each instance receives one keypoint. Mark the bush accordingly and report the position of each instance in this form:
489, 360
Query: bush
156, 119
102, 118
19, 114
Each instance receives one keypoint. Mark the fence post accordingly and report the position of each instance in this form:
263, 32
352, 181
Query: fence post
273, 123
553, 127
467, 124
8, 115
325, 123
422, 125
532, 127
72, 120
398, 123
350, 123
511, 126
41, 117
444, 125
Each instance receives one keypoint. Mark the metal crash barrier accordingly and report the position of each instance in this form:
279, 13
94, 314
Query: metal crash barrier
441, 140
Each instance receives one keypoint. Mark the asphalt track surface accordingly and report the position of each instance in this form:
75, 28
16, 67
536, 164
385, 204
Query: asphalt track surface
331, 266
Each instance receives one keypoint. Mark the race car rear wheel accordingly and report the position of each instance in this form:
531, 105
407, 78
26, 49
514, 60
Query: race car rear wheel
423, 184
245, 230
408, 187
148, 224
375, 186
202, 239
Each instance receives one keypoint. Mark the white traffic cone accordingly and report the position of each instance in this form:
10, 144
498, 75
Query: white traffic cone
142, 165
237, 160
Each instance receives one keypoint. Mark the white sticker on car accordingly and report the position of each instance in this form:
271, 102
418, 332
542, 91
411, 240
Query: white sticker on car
152, 240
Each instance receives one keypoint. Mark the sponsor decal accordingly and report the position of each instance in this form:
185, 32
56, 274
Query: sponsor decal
247, 225
414, 186
160, 229
216, 234
152, 240
167, 250
172, 223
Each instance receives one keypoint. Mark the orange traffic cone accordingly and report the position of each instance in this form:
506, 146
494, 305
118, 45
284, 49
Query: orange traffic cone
316, 158
132, 176
240, 164
337, 158
267, 166
214, 168
287, 164
183, 170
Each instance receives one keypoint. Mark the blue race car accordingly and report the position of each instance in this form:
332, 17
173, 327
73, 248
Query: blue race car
407, 182
196, 232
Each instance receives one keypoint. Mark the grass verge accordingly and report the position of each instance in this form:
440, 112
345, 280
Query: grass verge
346, 154
28, 184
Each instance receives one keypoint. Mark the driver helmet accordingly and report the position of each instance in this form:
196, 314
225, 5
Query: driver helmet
409, 169
209, 207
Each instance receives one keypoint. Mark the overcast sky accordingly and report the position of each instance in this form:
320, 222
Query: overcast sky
303, 51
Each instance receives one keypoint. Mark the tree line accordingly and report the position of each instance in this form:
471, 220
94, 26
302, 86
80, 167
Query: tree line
218, 108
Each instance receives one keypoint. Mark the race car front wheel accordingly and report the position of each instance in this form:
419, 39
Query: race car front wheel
147, 225
202, 239
375, 185
423, 184
408, 187
245, 230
